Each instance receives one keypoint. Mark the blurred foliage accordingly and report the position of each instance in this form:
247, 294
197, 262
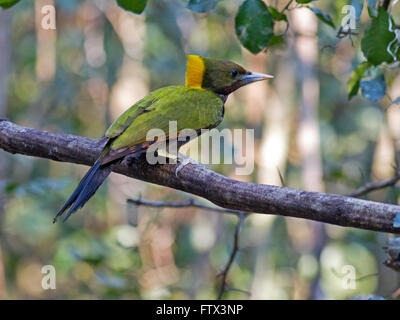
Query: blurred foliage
136, 6
375, 43
7, 3
108, 58
202, 5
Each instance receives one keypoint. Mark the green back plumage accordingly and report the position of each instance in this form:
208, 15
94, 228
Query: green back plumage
192, 109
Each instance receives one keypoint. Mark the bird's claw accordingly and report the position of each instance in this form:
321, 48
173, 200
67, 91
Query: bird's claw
183, 161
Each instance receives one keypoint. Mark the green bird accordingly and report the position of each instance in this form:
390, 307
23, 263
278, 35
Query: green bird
197, 105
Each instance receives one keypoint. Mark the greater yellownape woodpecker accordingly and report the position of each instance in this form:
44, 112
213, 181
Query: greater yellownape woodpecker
197, 105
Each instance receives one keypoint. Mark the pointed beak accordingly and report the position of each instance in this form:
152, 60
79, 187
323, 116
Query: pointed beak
255, 76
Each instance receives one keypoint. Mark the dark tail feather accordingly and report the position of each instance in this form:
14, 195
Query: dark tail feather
78, 189
86, 188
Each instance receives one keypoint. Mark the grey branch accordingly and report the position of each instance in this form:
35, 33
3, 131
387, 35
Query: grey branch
182, 204
369, 187
201, 181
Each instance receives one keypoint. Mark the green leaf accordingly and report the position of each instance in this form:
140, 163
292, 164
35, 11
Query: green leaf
377, 38
374, 89
323, 16
135, 6
276, 41
254, 25
202, 5
354, 83
277, 15
7, 3
11, 187
303, 1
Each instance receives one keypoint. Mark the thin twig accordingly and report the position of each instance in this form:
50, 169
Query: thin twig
193, 203
287, 24
344, 33
237, 290
235, 249
182, 204
369, 187
281, 178
362, 278
287, 6
368, 276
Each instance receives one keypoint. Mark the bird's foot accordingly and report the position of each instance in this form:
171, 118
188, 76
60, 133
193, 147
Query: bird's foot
184, 160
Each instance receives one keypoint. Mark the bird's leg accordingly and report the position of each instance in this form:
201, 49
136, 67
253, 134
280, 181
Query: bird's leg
172, 153
167, 157
183, 161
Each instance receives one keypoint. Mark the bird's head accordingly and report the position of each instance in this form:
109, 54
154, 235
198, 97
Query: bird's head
221, 76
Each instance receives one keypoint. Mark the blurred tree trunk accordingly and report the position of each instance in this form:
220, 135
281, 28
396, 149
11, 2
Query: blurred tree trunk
264, 105
274, 110
45, 45
5, 39
5, 59
308, 138
393, 118
389, 146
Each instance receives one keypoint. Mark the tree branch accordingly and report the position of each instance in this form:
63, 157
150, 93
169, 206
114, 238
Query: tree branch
201, 181
369, 187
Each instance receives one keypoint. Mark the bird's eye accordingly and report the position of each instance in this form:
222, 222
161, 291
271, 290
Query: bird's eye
234, 73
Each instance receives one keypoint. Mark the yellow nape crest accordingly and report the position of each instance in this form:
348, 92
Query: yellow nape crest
194, 71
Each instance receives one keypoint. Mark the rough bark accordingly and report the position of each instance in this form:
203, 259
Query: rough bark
201, 181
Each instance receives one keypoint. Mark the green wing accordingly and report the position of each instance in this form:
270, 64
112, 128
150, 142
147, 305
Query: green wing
191, 108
